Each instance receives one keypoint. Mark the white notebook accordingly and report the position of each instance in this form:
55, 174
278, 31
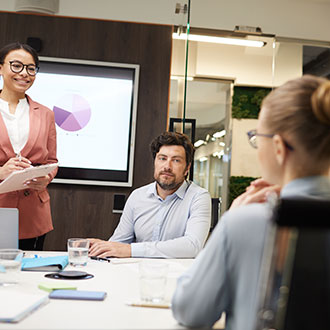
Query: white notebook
15, 305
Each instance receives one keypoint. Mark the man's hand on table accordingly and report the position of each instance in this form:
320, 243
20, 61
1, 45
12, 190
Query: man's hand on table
102, 249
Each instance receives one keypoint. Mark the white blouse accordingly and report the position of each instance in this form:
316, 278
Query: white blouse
17, 124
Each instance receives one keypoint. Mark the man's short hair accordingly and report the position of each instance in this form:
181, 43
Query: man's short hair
173, 139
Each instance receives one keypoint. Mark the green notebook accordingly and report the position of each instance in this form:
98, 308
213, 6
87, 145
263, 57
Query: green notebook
46, 264
51, 286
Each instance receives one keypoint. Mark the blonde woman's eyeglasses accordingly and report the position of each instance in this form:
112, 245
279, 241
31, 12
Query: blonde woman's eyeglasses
252, 136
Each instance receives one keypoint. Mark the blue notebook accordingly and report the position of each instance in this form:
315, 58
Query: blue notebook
46, 264
78, 295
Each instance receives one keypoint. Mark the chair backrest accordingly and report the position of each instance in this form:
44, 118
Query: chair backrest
295, 277
214, 212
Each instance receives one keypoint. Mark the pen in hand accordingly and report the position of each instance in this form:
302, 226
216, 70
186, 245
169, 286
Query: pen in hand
23, 162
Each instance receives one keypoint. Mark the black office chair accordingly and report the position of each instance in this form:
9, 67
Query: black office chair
295, 276
214, 212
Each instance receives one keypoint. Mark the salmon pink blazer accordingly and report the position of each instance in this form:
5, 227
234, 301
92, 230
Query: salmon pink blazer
34, 206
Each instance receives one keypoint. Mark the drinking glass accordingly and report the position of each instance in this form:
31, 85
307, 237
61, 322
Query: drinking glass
10, 266
153, 276
78, 251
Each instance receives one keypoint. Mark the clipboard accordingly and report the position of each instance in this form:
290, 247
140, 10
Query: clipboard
16, 180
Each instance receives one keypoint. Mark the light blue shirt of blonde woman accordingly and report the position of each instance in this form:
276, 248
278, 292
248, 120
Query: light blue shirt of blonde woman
224, 276
176, 227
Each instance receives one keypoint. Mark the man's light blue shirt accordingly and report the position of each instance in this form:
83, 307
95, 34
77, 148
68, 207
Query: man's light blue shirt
176, 227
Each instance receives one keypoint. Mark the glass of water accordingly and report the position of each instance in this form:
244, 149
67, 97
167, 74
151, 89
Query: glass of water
153, 276
78, 251
10, 266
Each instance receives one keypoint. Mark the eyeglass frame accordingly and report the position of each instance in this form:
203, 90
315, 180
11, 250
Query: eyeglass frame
36, 68
253, 133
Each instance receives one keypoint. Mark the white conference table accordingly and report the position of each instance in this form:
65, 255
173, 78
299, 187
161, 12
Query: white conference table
121, 282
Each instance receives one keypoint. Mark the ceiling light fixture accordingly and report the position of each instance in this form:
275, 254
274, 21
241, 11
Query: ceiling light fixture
198, 143
220, 134
219, 40
218, 154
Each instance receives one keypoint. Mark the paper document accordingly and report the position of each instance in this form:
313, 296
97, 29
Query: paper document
16, 180
15, 305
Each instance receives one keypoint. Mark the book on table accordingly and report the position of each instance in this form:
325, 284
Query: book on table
52, 286
45, 264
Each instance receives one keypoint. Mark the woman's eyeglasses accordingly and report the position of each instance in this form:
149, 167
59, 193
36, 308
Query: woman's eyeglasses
18, 66
252, 136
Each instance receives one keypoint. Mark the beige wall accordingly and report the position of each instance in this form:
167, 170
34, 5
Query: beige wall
248, 66
306, 19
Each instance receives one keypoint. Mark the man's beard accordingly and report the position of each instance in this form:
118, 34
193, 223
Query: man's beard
170, 185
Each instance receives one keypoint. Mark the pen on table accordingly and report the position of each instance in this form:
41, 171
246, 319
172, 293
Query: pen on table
151, 305
100, 259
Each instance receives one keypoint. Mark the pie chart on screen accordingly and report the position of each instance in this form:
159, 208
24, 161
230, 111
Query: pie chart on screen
72, 112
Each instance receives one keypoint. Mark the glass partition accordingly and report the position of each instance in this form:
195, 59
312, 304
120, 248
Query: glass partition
208, 106
206, 70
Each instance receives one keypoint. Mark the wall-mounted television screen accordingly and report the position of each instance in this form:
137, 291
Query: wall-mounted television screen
95, 106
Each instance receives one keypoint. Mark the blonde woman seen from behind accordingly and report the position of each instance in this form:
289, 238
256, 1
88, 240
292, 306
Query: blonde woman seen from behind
293, 143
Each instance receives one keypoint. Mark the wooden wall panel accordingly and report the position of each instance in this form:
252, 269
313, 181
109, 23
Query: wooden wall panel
86, 211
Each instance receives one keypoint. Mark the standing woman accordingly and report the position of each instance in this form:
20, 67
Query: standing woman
27, 138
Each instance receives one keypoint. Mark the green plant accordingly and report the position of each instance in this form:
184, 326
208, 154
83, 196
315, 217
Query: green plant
237, 185
247, 101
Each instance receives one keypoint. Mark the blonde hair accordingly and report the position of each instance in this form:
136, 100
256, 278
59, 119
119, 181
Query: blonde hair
301, 107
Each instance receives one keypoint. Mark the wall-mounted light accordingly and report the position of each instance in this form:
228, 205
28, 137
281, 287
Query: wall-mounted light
219, 40
50, 7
